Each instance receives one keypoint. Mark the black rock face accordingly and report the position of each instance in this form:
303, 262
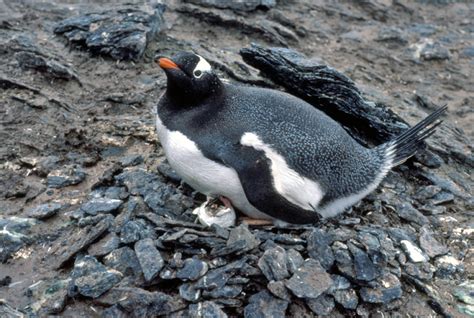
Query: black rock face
122, 34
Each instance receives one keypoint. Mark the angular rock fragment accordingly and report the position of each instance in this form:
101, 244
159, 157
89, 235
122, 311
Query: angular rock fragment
228, 291
273, 264
310, 280
189, 292
319, 247
101, 205
347, 298
13, 235
430, 245
407, 212
91, 279
49, 66
49, 296
236, 5
413, 252
123, 33
365, 269
77, 241
105, 245
124, 260
278, 289
263, 304
149, 257
66, 176
193, 269
44, 211
294, 260
321, 306
388, 289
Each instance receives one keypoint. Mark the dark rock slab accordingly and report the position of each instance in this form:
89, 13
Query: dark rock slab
434, 51
206, 309
310, 280
263, 304
120, 32
218, 277
407, 212
131, 232
66, 176
138, 302
347, 298
273, 264
236, 5
430, 245
46, 65
193, 269
279, 289
124, 260
319, 247
44, 211
149, 257
105, 245
228, 291
101, 205
242, 233
189, 292
131, 160
293, 260
8, 311
389, 288
365, 269
321, 306
91, 279
79, 239
328, 90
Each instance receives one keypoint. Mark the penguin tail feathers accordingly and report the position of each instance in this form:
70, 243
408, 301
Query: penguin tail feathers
408, 143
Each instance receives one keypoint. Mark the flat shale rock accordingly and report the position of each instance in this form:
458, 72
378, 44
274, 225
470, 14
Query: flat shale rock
389, 288
192, 269
273, 264
101, 205
50, 296
430, 245
65, 176
328, 90
122, 33
124, 260
310, 280
78, 240
13, 235
321, 306
105, 245
53, 68
44, 211
91, 279
149, 257
263, 304
319, 247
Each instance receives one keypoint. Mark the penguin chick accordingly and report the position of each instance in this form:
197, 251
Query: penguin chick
273, 155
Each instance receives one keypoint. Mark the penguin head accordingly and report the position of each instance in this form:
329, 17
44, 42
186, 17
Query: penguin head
190, 77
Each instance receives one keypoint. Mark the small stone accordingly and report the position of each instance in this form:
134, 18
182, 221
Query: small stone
101, 205
44, 211
273, 264
149, 257
91, 278
224, 292
218, 277
413, 252
49, 296
131, 160
193, 269
130, 232
66, 176
389, 289
347, 298
365, 269
465, 292
310, 280
242, 233
442, 198
434, 51
294, 260
321, 306
319, 247
206, 309
339, 282
264, 305
427, 192
278, 289
422, 271
430, 245
104, 246
124, 260
189, 292
407, 212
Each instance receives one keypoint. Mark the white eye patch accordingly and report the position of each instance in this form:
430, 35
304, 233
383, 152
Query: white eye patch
201, 67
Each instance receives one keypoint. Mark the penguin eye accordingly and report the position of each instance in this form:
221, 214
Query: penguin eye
197, 73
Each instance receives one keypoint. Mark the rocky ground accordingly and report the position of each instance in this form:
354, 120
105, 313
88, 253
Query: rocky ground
93, 221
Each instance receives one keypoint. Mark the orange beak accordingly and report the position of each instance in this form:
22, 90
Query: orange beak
166, 63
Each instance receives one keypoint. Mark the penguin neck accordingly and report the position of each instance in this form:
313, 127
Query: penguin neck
186, 97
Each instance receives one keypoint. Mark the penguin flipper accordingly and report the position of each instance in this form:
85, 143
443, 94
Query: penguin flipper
253, 169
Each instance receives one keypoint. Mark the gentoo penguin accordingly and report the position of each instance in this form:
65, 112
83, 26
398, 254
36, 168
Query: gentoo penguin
272, 155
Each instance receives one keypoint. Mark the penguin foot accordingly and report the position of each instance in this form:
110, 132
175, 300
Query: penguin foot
255, 222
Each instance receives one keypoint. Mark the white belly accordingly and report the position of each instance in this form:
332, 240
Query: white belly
204, 175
